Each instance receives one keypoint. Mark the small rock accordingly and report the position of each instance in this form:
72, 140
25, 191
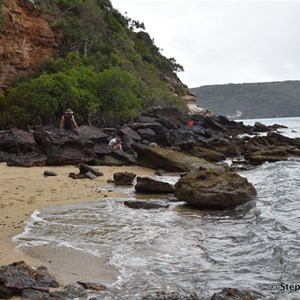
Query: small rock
124, 178
50, 173
145, 204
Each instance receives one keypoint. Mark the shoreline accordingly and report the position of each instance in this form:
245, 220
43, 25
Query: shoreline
24, 190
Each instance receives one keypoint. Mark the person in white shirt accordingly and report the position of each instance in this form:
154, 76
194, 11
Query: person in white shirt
116, 143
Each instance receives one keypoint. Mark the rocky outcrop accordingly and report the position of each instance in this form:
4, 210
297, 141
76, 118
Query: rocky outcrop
65, 147
26, 39
160, 138
213, 189
124, 178
152, 186
17, 277
270, 155
172, 161
18, 142
28, 160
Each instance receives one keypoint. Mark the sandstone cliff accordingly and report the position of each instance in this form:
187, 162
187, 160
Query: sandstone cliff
25, 40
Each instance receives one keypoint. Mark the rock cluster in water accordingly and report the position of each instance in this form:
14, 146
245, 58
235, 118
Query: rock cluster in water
20, 280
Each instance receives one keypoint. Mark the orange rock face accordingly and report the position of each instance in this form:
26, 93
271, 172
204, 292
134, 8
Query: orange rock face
26, 39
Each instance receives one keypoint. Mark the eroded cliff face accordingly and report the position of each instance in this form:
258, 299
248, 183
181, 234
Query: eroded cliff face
186, 95
26, 39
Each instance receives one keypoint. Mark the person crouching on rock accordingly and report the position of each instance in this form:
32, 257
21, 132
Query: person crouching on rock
67, 121
116, 143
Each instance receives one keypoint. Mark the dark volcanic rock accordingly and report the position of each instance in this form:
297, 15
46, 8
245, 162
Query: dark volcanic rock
18, 276
233, 294
270, 155
17, 141
156, 127
259, 127
171, 117
117, 158
70, 292
49, 173
124, 178
64, 147
93, 286
102, 150
84, 168
94, 134
213, 189
146, 204
147, 134
131, 133
172, 161
171, 296
31, 294
208, 154
4, 156
28, 160
152, 186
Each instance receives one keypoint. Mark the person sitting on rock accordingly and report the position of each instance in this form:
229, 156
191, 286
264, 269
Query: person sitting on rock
67, 121
116, 143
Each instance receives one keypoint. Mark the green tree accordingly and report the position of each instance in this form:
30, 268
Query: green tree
41, 100
117, 90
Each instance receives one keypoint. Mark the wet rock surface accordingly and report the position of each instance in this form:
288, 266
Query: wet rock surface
65, 147
23, 282
18, 276
213, 189
234, 294
124, 178
148, 185
169, 160
146, 204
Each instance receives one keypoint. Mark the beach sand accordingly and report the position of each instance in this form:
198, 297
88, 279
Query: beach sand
24, 190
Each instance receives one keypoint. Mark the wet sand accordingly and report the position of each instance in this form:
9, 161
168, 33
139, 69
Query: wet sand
23, 190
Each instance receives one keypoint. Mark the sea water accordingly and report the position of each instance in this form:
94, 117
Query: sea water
182, 249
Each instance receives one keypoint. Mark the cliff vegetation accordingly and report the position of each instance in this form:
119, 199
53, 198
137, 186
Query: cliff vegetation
103, 65
251, 100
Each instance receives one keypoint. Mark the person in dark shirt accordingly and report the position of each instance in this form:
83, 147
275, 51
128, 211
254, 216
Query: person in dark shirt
68, 121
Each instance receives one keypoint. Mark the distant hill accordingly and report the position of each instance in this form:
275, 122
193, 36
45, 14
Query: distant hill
251, 100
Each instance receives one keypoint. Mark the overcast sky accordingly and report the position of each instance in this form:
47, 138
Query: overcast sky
220, 42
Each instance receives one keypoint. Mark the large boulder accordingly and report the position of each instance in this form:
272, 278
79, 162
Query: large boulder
152, 186
84, 168
172, 161
64, 147
94, 134
28, 160
124, 178
17, 141
127, 131
270, 155
17, 277
214, 189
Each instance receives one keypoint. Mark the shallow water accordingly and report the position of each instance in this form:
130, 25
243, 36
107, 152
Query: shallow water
255, 247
